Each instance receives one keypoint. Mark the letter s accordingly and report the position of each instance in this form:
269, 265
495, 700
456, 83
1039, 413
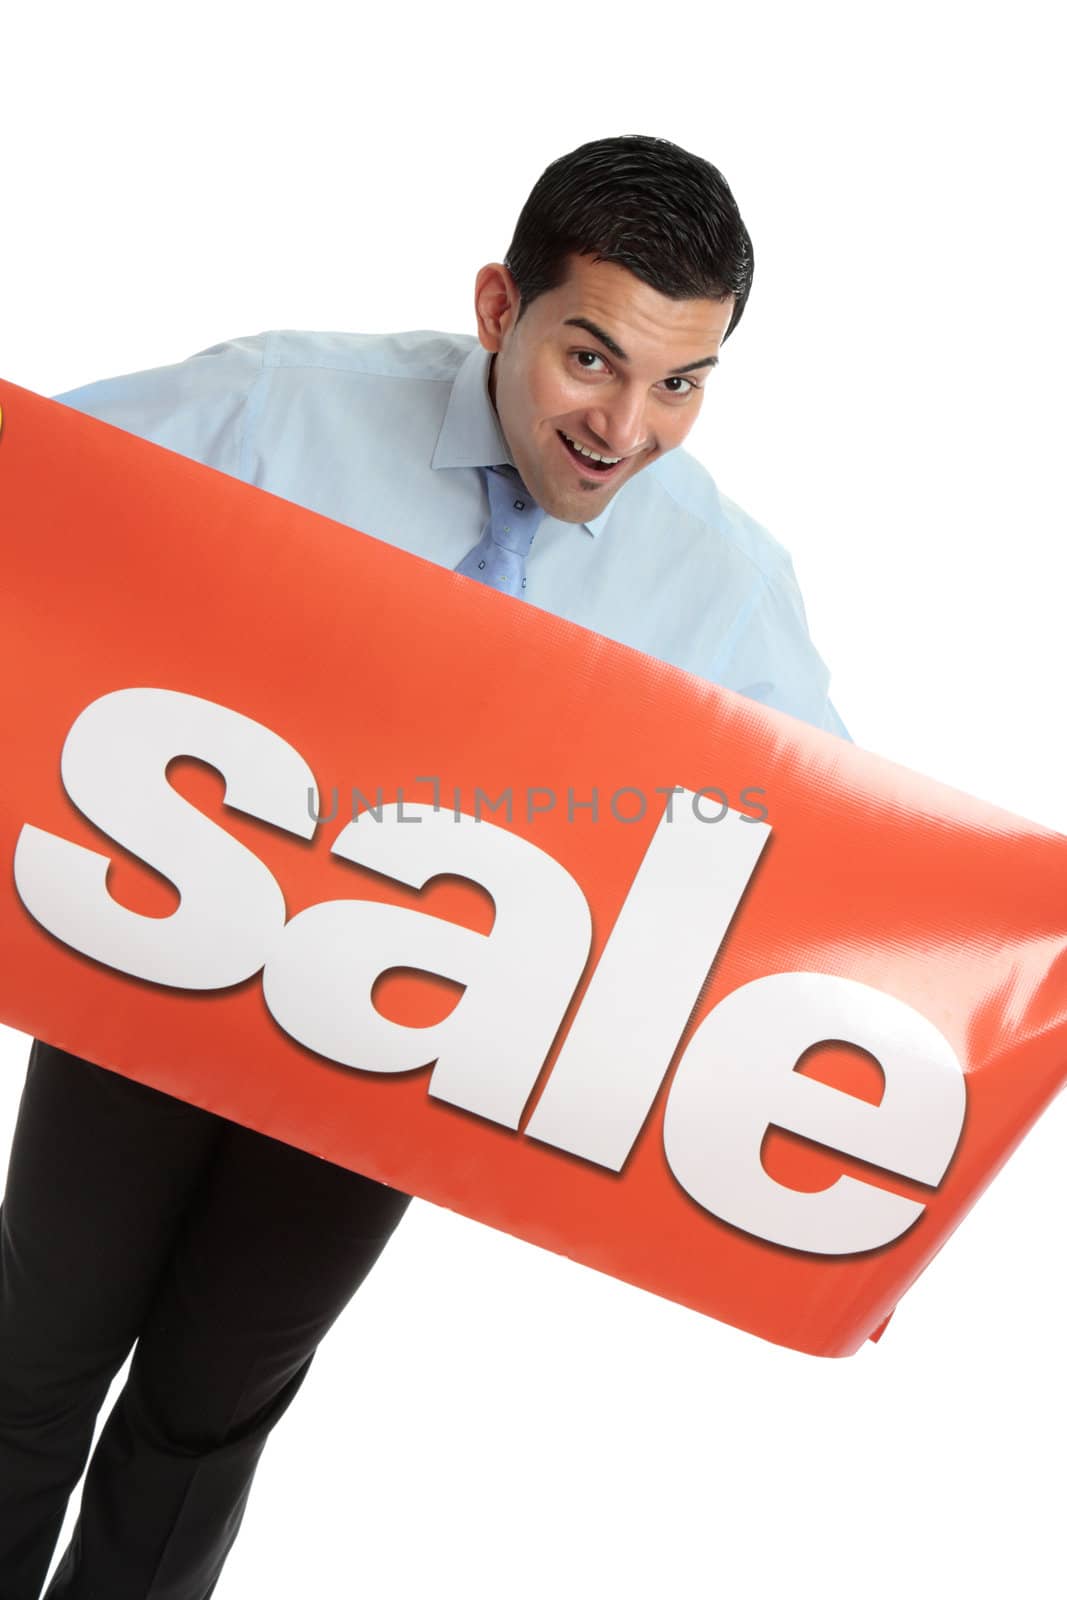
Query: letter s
113, 767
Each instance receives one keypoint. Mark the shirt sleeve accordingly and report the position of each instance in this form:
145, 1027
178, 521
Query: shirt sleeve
200, 407
767, 653
832, 723
777, 638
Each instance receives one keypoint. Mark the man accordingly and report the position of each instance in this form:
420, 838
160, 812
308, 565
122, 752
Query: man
541, 458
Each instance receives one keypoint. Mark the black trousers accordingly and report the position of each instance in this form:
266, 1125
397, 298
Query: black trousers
131, 1216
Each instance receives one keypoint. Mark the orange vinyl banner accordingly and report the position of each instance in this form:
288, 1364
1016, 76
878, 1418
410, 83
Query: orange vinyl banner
336, 843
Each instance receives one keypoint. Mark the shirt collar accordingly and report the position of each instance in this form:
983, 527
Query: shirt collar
471, 435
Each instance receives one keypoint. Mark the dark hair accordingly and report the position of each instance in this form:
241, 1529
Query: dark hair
640, 202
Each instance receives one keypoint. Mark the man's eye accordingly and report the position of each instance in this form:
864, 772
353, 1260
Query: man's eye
586, 359
679, 386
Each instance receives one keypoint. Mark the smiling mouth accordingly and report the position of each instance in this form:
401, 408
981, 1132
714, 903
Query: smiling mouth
596, 465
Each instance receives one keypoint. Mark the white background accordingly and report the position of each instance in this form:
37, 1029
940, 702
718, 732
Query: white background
488, 1420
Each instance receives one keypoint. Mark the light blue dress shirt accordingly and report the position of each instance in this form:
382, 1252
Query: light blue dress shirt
387, 433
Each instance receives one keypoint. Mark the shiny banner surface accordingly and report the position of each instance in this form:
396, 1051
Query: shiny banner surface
334, 842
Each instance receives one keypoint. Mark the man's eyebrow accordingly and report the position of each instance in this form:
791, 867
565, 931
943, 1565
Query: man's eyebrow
705, 361
598, 333
620, 355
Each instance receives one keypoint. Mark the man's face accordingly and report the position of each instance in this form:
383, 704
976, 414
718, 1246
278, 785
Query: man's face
603, 363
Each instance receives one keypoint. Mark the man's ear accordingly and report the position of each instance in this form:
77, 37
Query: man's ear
496, 304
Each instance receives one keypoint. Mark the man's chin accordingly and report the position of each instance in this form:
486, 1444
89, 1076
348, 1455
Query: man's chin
580, 505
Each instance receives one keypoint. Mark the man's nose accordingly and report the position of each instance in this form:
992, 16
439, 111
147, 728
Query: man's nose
620, 424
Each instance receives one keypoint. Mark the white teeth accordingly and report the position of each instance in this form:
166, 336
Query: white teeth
609, 461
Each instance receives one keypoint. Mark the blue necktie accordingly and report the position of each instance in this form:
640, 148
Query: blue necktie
499, 557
